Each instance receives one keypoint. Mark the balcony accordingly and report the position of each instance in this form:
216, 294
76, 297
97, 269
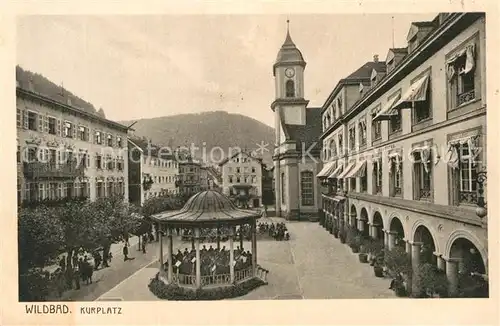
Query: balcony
40, 170
465, 97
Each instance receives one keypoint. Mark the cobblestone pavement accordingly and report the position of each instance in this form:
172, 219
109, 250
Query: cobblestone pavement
312, 265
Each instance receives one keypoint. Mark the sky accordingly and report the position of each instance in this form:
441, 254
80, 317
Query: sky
150, 66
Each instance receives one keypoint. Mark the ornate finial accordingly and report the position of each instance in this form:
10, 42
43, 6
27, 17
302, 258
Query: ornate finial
288, 40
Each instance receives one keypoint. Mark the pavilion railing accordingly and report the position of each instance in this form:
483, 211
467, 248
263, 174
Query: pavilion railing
243, 274
216, 279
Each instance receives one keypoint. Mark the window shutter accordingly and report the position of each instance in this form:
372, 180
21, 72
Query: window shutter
46, 124
74, 127
88, 160
59, 129
25, 119
59, 156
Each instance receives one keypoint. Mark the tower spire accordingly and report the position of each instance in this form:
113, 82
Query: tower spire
288, 40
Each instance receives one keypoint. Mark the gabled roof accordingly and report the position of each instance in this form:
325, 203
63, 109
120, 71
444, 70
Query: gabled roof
307, 134
242, 152
153, 151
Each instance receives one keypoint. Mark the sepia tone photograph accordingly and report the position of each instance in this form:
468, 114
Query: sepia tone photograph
175, 161
264, 157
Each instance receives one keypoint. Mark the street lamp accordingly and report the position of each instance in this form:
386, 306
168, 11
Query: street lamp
481, 209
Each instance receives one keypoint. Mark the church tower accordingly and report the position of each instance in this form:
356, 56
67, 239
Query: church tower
289, 107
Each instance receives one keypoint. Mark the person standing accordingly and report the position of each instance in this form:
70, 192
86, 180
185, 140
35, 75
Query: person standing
144, 239
125, 252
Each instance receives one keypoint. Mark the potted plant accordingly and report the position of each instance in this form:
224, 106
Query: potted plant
342, 236
398, 264
350, 235
336, 232
356, 244
363, 255
431, 281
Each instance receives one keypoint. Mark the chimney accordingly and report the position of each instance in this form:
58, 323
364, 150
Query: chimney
31, 86
375, 58
68, 101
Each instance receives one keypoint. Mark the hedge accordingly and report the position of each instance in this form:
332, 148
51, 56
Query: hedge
179, 293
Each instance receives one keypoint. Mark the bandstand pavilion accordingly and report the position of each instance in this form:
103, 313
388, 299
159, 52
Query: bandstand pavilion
207, 210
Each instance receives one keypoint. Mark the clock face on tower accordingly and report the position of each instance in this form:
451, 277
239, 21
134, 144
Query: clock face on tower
289, 72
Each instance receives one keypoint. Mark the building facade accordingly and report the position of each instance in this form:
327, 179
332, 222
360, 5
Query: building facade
65, 152
152, 173
242, 179
297, 149
189, 177
406, 150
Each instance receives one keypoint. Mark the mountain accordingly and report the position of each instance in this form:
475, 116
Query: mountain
37, 83
208, 130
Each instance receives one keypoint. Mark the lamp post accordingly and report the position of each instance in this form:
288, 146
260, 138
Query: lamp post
481, 210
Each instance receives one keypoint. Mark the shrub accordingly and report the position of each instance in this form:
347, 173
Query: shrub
179, 293
397, 261
431, 280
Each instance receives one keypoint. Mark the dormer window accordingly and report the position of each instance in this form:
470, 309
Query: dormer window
373, 78
290, 88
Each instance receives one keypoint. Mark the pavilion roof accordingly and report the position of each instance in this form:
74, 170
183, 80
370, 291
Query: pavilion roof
207, 208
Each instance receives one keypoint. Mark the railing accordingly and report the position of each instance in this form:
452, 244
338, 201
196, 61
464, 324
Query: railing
51, 170
468, 197
378, 190
185, 279
425, 193
216, 279
243, 274
397, 191
465, 97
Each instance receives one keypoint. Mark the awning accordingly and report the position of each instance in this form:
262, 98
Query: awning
326, 170
346, 171
335, 173
358, 171
416, 93
452, 157
387, 111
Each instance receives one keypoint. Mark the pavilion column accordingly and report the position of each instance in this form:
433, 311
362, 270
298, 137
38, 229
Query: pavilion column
160, 237
241, 238
198, 260
231, 254
254, 247
169, 256
218, 239
193, 236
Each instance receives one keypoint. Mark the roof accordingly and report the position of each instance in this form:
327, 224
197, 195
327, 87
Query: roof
424, 24
365, 71
289, 53
144, 145
207, 207
36, 86
258, 159
400, 50
307, 134
47, 88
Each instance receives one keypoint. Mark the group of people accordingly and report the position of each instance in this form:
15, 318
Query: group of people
277, 231
213, 261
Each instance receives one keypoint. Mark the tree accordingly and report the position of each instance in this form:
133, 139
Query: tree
40, 237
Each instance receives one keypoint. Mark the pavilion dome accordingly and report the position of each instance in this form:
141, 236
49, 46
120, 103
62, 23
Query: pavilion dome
208, 201
206, 207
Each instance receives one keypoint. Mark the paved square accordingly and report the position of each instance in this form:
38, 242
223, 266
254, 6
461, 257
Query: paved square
311, 265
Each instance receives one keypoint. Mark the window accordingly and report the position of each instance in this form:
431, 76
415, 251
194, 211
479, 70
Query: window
341, 144
376, 125
461, 74
467, 175
99, 189
52, 126
290, 88
109, 190
333, 148
238, 180
119, 141
352, 138
18, 154
110, 163
306, 187
32, 154
282, 188
32, 121
396, 176
253, 169
68, 129
230, 179
422, 110
422, 169
377, 176
83, 133
98, 161
238, 170
362, 132
19, 118
119, 164
109, 140
395, 122
364, 181
98, 137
